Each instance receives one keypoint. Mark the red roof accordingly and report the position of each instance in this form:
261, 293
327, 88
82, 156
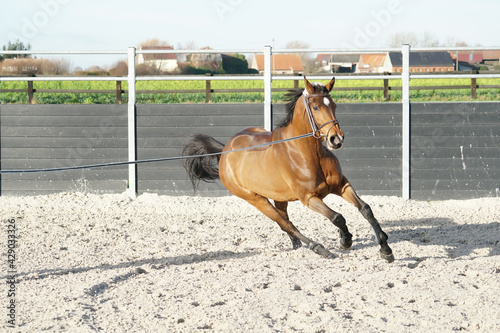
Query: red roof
281, 62
470, 57
373, 60
323, 57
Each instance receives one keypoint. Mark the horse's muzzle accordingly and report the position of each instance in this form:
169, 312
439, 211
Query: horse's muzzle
334, 142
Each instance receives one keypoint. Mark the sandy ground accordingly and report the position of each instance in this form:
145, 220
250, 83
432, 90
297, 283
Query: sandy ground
89, 262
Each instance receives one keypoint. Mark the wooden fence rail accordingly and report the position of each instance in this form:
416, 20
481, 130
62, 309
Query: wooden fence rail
208, 91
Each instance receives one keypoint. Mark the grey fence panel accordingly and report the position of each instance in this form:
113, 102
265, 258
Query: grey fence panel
371, 155
455, 150
52, 136
455, 146
163, 130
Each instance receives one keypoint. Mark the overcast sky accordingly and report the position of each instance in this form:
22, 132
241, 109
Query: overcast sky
241, 24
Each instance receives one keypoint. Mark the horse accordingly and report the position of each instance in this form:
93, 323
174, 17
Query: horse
304, 169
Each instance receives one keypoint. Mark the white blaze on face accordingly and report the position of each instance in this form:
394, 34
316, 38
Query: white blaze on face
326, 101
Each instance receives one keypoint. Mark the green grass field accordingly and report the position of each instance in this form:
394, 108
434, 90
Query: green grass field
357, 96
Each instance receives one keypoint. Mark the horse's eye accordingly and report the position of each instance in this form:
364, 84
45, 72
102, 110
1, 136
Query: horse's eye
315, 108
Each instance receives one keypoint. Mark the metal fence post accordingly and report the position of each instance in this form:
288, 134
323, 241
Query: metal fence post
268, 113
406, 126
132, 153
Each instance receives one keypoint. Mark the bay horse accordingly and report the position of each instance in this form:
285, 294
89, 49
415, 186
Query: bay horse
304, 169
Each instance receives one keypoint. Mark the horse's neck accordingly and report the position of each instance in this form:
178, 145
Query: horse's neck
309, 147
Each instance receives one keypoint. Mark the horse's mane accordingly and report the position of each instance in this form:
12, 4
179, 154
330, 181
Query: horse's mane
291, 98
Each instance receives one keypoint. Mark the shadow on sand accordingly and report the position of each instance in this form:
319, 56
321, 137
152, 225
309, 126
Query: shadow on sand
156, 263
459, 240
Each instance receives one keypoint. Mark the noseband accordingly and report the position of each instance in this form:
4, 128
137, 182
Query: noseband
314, 125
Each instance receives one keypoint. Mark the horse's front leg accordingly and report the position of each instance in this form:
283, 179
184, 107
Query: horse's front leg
317, 205
350, 195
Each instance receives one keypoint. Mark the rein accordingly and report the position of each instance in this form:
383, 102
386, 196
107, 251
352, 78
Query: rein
314, 125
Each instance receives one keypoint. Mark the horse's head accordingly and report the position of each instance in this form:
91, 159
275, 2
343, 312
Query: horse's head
320, 109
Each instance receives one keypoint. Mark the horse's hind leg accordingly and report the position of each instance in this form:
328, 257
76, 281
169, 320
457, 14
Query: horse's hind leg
281, 207
263, 204
350, 195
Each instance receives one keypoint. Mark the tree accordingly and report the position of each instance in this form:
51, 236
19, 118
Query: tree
55, 66
187, 57
235, 64
154, 42
405, 38
17, 46
119, 69
452, 41
297, 44
429, 40
426, 40
306, 58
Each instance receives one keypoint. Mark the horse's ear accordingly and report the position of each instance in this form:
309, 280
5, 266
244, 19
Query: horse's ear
309, 86
330, 85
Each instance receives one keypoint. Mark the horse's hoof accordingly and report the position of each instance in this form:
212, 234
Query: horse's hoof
320, 249
296, 244
387, 257
345, 241
345, 244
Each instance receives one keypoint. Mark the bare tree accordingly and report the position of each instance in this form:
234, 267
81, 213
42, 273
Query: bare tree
297, 44
452, 41
429, 40
463, 44
120, 68
57, 66
306, 58
404, 38
188, 46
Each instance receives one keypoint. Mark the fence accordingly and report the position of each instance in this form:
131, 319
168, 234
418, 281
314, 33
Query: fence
267, 78
208, 91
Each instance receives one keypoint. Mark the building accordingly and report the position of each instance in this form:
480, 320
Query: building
423, 62
166, 62
280, 64
491, 56
211, 61
467, 60
322, 62
374, 63
337, 62
344, 63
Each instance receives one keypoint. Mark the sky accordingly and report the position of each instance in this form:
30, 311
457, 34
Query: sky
240, 24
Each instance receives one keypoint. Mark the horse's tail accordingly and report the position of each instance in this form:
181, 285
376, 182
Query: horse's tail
204, 168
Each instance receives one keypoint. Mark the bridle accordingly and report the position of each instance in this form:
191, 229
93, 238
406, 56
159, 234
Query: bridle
314, 125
